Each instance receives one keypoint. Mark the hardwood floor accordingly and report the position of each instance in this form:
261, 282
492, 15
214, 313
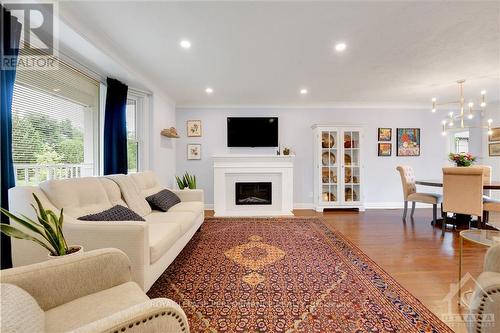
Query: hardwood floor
414, 253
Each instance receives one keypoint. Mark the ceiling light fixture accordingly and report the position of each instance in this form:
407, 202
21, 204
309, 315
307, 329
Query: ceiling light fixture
303, 91
460, 115
340, 47
185, 44
209, 90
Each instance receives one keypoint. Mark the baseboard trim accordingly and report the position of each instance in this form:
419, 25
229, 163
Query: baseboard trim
368, 205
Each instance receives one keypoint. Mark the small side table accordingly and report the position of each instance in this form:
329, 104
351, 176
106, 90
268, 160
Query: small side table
483, 237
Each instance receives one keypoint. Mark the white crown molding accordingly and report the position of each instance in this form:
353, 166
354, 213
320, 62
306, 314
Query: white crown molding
392, 106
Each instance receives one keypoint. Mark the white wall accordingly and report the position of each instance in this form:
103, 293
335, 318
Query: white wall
382, 183
162, 149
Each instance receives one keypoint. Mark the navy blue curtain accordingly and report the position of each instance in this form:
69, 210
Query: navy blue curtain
9, 48
115, 128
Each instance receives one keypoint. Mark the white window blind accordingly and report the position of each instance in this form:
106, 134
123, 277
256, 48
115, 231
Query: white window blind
54, 127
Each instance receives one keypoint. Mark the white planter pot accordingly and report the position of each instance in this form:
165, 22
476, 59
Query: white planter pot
76, 253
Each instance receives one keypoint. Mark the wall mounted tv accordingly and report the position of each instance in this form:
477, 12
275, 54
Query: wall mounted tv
252, 132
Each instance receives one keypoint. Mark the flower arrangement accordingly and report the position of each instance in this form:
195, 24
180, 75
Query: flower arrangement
462, 159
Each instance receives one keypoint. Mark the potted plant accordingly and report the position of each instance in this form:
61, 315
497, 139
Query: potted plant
49, 227
286, 151
186, 182
462, 159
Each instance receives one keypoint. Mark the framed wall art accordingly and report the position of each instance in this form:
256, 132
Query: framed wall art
193, 128
494, 149
194, 151
408, 142
384, 149
495, 134
384, 134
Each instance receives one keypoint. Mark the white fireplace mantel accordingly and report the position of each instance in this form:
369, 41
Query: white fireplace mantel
232, 168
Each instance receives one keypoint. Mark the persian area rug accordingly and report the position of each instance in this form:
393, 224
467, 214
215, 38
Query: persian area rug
286, 275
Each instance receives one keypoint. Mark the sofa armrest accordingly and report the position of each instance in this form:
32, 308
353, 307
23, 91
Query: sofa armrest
492, 259
156, 315
59, 281
190, 195
484, 306
132, 237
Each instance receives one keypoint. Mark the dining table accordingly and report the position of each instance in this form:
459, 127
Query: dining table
460, 220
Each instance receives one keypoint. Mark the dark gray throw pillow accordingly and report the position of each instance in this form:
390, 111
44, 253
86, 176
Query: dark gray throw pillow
163, 200
115, 213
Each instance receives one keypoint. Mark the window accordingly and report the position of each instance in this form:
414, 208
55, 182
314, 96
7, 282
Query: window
461, 142
132, 140
54, 125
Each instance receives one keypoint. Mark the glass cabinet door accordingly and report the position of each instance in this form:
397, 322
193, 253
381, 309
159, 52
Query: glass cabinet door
351, 163
329, 166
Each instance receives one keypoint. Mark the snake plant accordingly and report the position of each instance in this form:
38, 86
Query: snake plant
187, 180
48, 229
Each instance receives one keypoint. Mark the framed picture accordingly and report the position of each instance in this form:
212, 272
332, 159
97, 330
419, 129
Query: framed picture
384, 149
194, 151
193, 127
384, 134
408, 142
495, 135
494, 149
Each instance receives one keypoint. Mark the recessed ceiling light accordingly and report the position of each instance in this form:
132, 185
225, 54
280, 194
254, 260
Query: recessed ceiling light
56, 89
209, 90
340, 47
185, 44
303, 91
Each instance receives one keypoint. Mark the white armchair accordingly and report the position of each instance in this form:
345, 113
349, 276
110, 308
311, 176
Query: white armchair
485, 301
91, 292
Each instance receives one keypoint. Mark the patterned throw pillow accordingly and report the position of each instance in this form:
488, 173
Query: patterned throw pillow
115, 213
163, 200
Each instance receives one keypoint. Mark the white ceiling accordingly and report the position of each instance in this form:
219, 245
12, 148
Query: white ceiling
262, 53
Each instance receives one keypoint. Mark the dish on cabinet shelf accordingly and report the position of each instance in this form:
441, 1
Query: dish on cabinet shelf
347, 159
350, 195
328, 196
328, 158
327, 140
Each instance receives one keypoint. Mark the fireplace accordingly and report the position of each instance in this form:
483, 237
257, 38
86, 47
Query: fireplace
254, 193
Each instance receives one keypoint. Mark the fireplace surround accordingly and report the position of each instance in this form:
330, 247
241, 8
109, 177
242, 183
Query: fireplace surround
275, 198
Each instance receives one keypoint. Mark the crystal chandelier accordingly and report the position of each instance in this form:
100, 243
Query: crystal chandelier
464, 111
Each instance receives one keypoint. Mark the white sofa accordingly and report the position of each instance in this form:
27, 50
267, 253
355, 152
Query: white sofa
151, 245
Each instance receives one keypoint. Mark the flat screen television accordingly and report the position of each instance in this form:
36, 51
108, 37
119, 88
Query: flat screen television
252, 132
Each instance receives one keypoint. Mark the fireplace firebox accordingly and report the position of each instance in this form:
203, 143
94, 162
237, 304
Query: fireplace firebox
259, 193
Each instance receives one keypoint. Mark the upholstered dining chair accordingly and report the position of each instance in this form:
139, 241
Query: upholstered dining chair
462, 192
486, 177
410, 193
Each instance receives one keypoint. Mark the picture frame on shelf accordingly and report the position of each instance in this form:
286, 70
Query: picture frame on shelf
193, 128
384, 134
408, 142
384, 149
494, 149
495, 134
194, 151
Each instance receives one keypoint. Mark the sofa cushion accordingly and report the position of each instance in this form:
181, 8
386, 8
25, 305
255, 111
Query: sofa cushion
185, 220
93, 307
195, 207
161, 238
19, 311
116, 213
78, 196
113, 191
146, 182
163, 200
